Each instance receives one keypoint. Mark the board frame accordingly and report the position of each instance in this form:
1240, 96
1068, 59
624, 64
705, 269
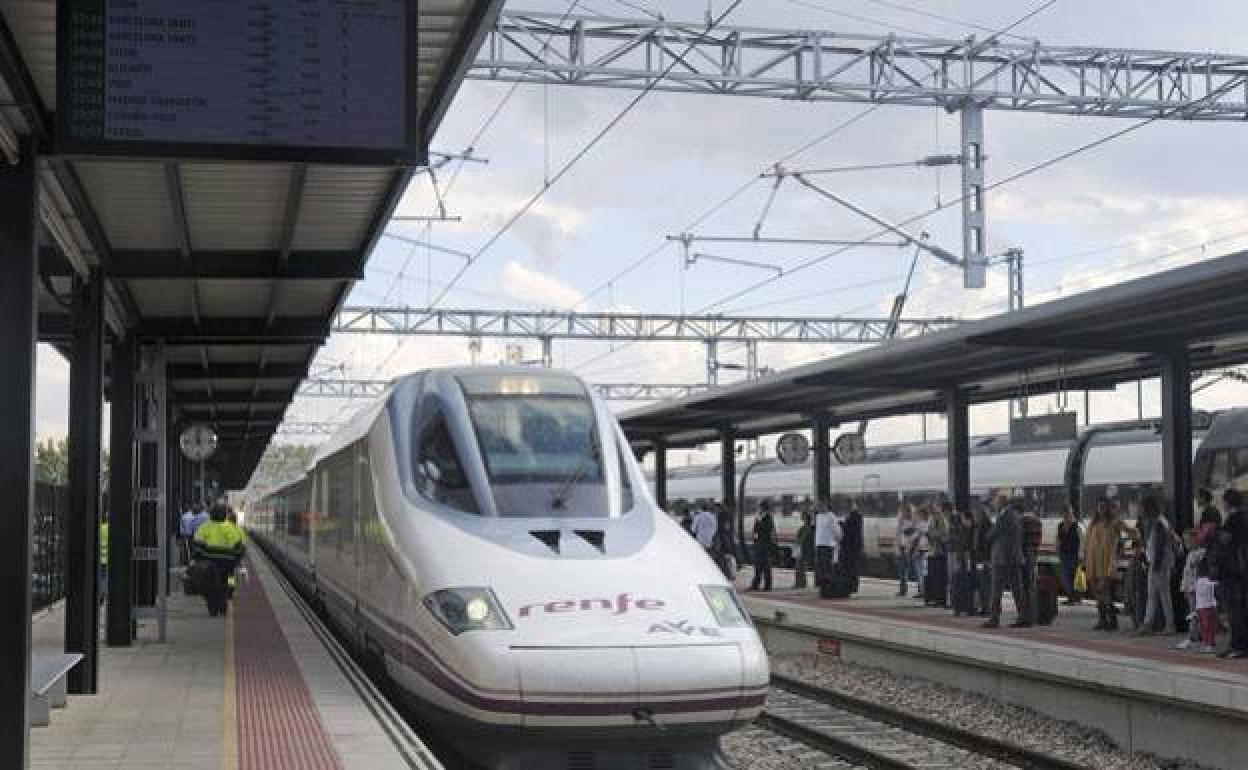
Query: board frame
415, 153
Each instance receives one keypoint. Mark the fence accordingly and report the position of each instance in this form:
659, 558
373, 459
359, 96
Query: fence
47, 584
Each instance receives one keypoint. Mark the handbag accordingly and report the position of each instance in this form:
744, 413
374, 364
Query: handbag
1081, 579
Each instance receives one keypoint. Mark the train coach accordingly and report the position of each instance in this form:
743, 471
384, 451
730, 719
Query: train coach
1122, 461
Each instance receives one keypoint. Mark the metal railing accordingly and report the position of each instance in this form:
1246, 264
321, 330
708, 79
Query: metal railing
48, 552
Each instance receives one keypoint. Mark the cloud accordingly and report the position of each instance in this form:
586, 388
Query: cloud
532, 285
51, 394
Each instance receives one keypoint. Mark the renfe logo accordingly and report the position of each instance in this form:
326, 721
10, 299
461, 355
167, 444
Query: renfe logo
620, 605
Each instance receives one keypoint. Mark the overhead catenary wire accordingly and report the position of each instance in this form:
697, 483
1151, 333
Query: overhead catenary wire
576, 158
809, 263
732, 196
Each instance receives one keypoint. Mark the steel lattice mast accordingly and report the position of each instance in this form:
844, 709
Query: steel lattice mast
965, 76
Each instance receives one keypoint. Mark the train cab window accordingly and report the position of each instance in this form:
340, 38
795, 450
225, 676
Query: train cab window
539, 439
437, 471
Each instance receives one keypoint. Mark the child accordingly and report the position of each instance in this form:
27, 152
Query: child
1191, 568
1206, 609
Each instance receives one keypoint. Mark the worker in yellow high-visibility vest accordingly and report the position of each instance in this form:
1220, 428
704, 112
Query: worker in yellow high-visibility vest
218, 547
102, 572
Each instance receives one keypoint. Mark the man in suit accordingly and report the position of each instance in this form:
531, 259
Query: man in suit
1006, 538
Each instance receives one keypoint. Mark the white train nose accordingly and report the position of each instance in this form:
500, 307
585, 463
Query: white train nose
624, 686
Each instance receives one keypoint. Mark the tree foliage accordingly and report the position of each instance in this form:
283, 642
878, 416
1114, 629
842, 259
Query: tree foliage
280, 464
52, 461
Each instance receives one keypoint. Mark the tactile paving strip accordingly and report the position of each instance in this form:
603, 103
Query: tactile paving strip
279, 726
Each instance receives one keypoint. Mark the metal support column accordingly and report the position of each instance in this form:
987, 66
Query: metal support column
86, 402
712, 362
1014, 263
974, 220
151, 499
660, 473
1176, 439
957, 409
121, 496
822, 462
728, 477
18, 311
548, 352
751, 359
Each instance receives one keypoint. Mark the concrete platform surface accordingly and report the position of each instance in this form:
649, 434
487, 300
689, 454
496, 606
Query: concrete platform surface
1068, 649
256, 689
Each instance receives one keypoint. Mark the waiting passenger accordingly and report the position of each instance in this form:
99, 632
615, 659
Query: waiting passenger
1187, 584
1068, 541
904, 541
1033, 534
218, 547
936, 584
828, 536
1161, 549
703, 528
852, 547
1006, 537
1230, 565
1100, 562
186, 531
922, 547
962, 563
764, 541
686, 521
982, 555
1206, 604
1209, 513
725, 546
804, 545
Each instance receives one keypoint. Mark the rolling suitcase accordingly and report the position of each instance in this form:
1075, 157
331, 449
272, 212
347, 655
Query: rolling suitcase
1047, 589
935, 582
838, 585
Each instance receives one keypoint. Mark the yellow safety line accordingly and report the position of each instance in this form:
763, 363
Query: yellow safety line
229, 706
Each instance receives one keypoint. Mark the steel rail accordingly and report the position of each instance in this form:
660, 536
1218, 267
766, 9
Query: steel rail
910, 722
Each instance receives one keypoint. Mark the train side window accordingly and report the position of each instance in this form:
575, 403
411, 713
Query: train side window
437, 471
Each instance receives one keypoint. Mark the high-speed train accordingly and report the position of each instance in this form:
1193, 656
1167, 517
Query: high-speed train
486, 535
1122, 461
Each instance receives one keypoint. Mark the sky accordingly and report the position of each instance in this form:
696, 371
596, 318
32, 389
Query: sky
1167, 194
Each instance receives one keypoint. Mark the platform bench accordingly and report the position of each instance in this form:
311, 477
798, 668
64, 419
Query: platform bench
47, 684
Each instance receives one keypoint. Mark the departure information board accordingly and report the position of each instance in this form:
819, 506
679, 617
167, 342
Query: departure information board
238, 78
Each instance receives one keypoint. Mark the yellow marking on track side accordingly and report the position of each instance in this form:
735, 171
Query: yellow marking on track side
229, 705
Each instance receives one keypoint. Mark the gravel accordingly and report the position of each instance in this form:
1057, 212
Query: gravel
967, 710
752, 748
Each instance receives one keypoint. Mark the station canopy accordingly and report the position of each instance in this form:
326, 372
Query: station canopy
1094, 340
237, 261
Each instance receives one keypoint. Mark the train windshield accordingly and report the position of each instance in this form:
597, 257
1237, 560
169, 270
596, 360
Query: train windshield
538, 438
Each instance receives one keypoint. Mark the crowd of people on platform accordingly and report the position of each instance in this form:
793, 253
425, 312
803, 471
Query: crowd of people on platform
1174, 583
826, 545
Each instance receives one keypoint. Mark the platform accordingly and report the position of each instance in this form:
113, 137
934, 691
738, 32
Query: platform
1139, 690
257, 690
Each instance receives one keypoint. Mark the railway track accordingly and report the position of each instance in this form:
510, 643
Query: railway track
871, 735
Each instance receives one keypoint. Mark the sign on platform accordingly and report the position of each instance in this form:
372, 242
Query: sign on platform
1044, 428
262, 80
828, 646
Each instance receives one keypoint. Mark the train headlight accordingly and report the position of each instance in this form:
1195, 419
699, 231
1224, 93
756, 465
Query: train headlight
725, 606
468, 609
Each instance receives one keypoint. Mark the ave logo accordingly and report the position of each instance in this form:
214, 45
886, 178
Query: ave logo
683, 628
